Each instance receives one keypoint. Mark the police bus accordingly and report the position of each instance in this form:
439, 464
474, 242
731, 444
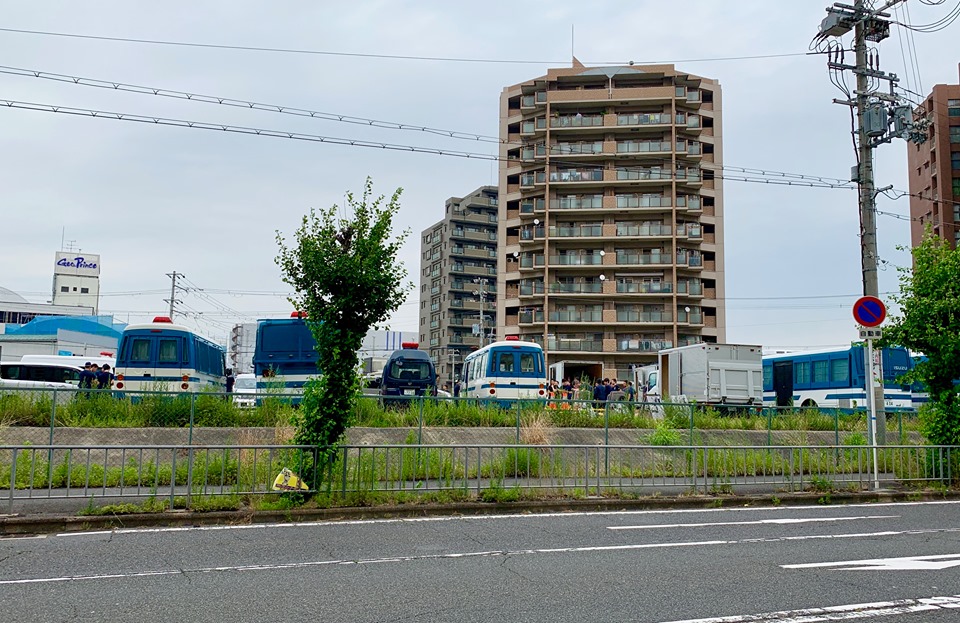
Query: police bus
163, 356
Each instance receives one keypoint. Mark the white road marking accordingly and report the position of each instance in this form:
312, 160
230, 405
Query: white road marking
320, 563
907, 563
779, 522
456, 555
840, 613
524, 516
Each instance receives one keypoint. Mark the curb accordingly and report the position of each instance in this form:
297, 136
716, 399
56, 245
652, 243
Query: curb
52, 524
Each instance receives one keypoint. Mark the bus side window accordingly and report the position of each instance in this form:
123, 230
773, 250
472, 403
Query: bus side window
505, 363
527, 363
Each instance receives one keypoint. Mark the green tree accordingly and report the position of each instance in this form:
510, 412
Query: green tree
929, 322
343, 267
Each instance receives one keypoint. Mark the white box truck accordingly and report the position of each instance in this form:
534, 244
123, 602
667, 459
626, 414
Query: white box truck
729, 374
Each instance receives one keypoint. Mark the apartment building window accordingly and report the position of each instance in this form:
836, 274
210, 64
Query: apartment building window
956, 187
84, 290
955, 160
64, 288
953, 108
955, 134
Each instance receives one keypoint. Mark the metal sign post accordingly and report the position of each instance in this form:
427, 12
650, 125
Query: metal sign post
870, 312
872, 403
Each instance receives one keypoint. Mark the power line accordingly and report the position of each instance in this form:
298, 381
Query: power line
238, 103
390, 56
765, 177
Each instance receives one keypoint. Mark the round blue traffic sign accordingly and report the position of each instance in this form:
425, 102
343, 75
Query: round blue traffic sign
869, 311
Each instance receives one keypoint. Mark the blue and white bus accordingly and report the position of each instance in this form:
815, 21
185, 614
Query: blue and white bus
285, 357
505, 370
162, 356
833, 379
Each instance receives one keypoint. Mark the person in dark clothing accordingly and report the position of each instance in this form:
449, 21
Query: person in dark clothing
104, 377
87, 376
230, 381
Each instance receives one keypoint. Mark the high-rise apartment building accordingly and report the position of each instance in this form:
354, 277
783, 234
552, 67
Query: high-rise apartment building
458, 280
611, 215
935, 168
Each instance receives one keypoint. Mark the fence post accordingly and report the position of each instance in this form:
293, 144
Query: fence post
770, 413
606, 440
193, 399
691, 425
193, 409
343, 481
419, 428
13, 480
518, 420
53, 424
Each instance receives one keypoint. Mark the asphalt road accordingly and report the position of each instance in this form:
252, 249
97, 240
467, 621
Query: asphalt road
895, 562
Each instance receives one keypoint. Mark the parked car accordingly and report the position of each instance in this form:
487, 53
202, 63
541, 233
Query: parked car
245, 390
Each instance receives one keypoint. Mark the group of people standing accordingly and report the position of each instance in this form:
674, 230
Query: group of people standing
96, 377
600, 390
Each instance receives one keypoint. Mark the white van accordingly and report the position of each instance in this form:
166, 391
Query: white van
19, 374
72, 360
245, 390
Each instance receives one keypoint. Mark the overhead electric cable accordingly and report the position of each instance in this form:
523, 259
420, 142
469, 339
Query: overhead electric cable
248, 48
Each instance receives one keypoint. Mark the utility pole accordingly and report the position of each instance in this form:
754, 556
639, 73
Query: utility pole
868, 200
880, 117
173, 300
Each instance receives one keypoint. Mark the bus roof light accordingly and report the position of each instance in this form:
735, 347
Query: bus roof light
512, 338
298, 314
410, 345
163, 319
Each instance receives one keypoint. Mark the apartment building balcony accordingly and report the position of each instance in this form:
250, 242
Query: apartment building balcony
486, 271
579, 176
649, 200
691, 231
530, 127
690, 288
576, 287
464, 216
600, 95
644, 317
531, 101
580, 149
641, 120
656, 288
577, 231
575, 345
578, 202
578, 316
644, 231
574, 260
576, 121
642, 346
644, 259
645, 147
531, 289
490, 254
531, 317
689, 317
688, 259
472, 304
534, 205
467, 234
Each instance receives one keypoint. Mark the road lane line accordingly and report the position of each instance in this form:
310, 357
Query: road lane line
457, 555
524, 516
840, 613
912, 563
779, 522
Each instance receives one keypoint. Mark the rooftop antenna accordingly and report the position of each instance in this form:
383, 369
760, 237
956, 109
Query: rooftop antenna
572, 54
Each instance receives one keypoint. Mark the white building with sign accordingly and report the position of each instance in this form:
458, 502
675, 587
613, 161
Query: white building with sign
76, 279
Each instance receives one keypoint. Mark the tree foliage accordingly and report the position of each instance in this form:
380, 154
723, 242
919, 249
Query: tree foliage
929, 323
343, 267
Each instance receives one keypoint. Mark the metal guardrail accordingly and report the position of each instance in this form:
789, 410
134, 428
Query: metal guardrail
55, 409
29, 473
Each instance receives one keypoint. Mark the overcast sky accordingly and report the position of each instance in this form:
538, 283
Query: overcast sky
154, 199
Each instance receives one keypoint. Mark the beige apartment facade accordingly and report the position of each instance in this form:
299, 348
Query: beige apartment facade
611, 216
934, 168
458, 280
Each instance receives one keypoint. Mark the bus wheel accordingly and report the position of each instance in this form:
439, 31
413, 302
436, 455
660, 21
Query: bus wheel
809, 404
